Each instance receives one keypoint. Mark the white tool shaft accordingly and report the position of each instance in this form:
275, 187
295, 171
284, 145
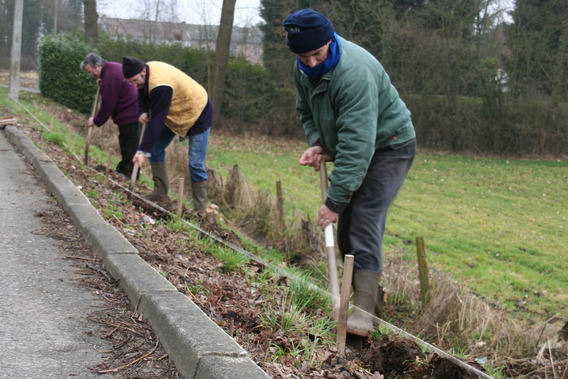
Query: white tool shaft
329, 241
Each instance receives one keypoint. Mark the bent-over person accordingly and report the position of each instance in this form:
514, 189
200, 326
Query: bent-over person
350, 111
119, 101
171, 103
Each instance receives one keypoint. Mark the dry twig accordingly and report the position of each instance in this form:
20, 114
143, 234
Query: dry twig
134, 361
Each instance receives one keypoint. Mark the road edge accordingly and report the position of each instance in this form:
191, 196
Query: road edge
198, 347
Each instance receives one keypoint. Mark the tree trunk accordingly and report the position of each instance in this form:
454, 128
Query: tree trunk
222, 53
91, 20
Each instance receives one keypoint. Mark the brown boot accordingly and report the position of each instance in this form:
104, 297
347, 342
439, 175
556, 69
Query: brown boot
161, 182
366, 288
199, 194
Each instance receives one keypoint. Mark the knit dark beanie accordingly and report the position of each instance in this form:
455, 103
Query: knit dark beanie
131, 66
307, 30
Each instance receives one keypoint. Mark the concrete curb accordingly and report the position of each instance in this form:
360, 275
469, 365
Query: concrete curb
198, 347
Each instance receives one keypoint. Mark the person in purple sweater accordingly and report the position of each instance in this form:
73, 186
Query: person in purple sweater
119, 102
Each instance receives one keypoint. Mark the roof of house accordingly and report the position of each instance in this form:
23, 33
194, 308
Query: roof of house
175, 31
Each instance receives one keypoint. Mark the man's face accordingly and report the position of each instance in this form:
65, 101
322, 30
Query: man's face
95, 72
138, 79
314, 57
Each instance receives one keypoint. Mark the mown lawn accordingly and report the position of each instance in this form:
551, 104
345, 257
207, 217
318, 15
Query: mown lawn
496, 225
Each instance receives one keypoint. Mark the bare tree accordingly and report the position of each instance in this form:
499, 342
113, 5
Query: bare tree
222, 53
91, 20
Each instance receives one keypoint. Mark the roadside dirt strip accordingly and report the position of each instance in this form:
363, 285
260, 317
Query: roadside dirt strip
198, 347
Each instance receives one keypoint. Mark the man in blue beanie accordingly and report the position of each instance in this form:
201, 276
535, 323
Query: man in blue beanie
350, 111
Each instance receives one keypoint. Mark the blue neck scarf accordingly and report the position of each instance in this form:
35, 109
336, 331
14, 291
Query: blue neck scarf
325, 66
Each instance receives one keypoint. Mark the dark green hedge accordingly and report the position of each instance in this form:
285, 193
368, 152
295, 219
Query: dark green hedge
60, 76
496, 124
510, 127
251, 101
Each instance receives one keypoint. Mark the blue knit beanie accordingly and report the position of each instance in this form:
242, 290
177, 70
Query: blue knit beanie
307, 30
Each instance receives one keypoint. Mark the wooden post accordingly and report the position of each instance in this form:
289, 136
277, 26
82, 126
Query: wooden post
180, 197
344, 303
133, 177
51, 125
423, 271
108, 164
280, 205
69, 138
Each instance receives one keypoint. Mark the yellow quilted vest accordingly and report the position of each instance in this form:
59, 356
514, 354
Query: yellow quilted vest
188, 100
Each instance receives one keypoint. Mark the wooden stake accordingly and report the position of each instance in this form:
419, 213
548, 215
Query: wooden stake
423, 271
51, 125
108, 164
69, 139
344, 303
280, 205
180, 197
133, 178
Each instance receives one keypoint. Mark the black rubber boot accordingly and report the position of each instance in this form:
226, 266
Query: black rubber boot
366, 288
160, 176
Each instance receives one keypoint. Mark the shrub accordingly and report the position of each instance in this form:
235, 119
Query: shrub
59, 73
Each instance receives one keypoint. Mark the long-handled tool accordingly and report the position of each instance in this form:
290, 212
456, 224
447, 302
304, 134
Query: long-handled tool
135, 168
90, 131
330, 246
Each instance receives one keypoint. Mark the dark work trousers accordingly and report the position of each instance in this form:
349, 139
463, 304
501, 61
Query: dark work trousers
361, 225
128, 139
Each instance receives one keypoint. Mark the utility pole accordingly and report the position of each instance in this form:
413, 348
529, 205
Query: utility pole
15, 57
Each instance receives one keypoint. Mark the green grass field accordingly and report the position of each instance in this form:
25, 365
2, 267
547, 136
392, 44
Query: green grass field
497, 226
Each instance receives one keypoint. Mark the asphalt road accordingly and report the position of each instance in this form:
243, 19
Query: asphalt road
44, 331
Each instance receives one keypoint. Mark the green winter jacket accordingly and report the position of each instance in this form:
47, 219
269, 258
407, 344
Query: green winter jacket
353, 112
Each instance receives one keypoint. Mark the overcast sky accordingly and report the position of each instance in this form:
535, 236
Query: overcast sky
208, 12
191, 11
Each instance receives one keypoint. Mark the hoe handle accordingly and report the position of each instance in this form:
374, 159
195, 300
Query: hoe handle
135, 168
90, 130
330, 245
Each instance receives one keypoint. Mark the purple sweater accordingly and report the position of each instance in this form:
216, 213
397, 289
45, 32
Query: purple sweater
119, 99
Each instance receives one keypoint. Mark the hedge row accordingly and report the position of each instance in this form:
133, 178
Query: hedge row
497, 124
59, 73
512, 127
251, 101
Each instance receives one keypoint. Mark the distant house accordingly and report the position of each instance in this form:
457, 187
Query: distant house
245, 42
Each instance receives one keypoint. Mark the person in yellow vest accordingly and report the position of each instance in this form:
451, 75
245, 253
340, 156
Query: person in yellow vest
171, 103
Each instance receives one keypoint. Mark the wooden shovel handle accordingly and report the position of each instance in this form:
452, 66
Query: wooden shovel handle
330, 245
134, 175
90, 131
